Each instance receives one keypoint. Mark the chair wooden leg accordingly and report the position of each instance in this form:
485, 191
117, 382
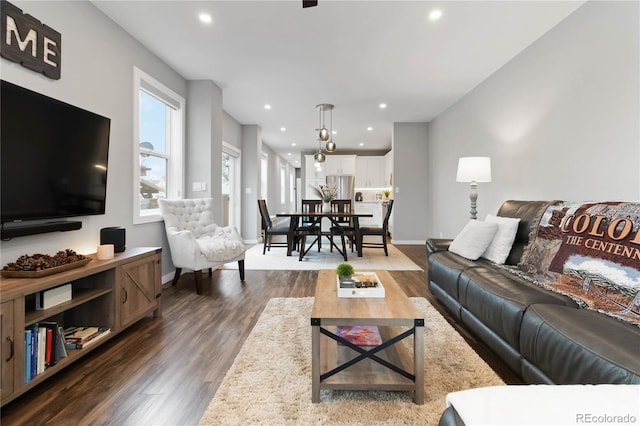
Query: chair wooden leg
197, 275
241, 269
176, 276
384, 244
344, 248
264, 248
302, 244
210, 271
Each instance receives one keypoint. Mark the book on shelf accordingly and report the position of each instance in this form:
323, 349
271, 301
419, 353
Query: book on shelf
82, 337
361, 335
27, 355
101, 335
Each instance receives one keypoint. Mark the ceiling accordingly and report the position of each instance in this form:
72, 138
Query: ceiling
353, 54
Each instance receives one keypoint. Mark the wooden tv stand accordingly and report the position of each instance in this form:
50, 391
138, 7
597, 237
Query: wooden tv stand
111, 293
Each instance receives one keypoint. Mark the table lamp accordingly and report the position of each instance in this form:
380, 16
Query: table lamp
474, 170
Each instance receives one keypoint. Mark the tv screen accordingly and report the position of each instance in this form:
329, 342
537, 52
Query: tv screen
53, 157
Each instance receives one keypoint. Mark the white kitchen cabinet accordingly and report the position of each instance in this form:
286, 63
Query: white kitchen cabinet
375, 208
311, 173
388, 169
340, 165
370, 172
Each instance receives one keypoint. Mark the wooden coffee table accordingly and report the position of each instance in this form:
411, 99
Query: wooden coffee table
345, 366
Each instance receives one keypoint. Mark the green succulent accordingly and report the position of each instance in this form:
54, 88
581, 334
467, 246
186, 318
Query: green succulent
344, 270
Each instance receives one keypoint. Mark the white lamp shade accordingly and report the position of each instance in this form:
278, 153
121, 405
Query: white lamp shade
474, 169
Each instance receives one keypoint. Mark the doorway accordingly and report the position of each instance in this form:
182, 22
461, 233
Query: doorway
230, 186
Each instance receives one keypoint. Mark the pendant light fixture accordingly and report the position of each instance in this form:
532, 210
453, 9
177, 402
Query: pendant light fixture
326, 134
319, 155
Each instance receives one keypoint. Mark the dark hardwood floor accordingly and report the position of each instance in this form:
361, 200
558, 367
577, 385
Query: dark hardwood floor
165, 371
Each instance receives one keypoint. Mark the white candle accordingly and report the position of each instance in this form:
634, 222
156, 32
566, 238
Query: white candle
105, 252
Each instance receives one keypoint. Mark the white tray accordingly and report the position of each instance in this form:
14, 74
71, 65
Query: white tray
377, 291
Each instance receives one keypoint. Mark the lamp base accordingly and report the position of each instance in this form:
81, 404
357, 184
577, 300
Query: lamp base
474, 197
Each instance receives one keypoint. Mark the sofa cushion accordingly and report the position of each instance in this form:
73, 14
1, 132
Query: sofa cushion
579, 346
474, 239
500, 246
499, 299
445, 267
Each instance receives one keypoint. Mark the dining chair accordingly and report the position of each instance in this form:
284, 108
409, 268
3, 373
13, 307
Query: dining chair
269, 229
383, 232
342, 226
309, 225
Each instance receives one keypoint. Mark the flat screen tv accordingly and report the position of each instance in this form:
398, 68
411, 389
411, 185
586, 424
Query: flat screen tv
53, 157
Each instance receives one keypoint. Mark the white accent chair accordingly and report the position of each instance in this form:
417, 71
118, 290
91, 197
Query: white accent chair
196, 242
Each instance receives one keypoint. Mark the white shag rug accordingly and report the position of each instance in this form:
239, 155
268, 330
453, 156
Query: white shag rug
269, 382
277, 259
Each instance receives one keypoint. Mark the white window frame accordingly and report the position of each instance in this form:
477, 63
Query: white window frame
175, 148
264, 176
283, 184
237, 176
292, 185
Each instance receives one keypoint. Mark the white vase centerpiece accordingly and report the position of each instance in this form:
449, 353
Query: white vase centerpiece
326, 194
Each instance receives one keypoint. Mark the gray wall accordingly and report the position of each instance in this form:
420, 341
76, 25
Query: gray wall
410, 177
97, 74
231, 131
559, 121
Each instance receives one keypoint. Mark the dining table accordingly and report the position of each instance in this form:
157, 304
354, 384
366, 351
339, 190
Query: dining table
317, 217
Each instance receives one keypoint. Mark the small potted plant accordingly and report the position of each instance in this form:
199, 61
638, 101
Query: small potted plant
344, 271
387, 193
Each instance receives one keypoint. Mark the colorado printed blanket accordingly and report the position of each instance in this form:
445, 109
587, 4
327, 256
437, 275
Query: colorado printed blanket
590, 252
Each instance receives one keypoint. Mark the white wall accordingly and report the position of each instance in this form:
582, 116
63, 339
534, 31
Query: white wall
97, 74
559, 121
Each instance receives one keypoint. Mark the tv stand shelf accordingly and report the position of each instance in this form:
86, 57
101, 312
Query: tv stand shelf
113, 294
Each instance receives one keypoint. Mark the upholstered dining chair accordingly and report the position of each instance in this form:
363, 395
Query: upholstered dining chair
342, 225
196, 241
382, 232
309, 225
269, 229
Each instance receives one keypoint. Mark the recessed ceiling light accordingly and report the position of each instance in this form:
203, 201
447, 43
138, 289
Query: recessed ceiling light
435, 14
293, 144
361, 143
288, 153
283, 129
205, 18
267, 106
383, 105
369, 128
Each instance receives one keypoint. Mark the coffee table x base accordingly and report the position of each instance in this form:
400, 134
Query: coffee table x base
370, 354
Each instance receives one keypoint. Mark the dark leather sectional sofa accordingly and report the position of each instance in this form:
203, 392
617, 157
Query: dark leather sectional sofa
541, 335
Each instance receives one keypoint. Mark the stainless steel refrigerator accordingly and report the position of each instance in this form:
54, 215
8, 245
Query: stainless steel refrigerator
346, 186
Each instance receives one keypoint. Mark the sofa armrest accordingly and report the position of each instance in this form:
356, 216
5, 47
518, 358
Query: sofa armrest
435, 245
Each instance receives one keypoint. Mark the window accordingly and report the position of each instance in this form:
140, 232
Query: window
292, 186
264, 173
283, 182
158, 146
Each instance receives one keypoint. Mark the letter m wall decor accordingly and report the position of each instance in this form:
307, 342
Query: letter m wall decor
29, 42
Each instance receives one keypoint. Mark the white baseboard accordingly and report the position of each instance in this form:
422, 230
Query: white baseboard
409, 242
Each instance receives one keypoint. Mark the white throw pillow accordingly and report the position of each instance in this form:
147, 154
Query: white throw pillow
500, 246
474, 239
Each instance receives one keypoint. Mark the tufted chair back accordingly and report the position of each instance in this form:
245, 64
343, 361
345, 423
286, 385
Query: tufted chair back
194, 215
196, 242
